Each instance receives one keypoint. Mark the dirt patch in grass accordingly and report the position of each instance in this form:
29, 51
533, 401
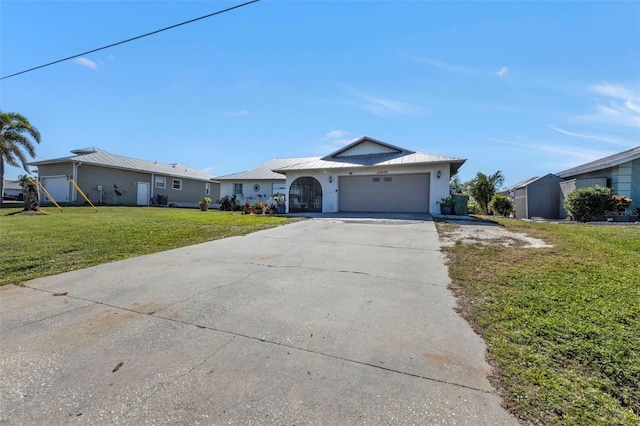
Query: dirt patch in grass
454, 232
27, 213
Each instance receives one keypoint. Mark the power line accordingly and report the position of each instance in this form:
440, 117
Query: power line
132, 39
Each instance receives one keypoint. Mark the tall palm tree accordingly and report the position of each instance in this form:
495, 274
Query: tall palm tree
483, 187
16, 141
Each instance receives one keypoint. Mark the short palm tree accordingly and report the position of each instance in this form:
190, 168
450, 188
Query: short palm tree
483, 187
16, 141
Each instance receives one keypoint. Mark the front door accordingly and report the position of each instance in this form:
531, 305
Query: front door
143, 193
305, 195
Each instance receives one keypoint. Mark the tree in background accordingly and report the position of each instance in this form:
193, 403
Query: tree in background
455, 185
483, 187
16, 141
501, 204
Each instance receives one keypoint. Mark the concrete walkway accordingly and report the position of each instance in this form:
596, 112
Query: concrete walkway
325, 321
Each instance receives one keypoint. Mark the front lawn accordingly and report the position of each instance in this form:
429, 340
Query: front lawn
77, 237
562, 324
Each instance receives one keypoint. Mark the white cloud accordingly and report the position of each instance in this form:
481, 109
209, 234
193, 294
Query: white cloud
568, 133
633, 107
86, 63
614, 91
502, 71
336, 134
616, 106
571, 154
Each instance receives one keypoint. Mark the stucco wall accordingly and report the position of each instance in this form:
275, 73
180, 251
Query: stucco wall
248, 192
439, 188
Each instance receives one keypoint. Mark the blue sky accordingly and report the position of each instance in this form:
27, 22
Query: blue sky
527, 88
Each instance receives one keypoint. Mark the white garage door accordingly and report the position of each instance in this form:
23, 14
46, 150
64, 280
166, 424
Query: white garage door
386, 193
58, 187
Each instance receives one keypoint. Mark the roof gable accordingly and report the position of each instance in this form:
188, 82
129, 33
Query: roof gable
366, 146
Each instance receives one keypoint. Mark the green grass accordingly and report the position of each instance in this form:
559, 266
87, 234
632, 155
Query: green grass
562, 324
41, 245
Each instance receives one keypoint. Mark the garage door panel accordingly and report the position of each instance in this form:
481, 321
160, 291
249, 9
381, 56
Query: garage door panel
390, 193
58, 187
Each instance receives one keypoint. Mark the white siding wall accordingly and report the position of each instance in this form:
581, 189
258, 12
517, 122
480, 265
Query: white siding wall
366, 148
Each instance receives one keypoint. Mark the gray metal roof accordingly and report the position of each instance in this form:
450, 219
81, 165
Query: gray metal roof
520, 184
98, 157
602, 163
371, 160
265, 171
524, 183
276, 168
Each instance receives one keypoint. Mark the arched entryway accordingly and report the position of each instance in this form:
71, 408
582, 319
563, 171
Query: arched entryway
305, 195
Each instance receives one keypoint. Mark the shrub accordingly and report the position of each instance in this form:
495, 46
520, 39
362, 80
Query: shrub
621, 203
587, 204
501, 204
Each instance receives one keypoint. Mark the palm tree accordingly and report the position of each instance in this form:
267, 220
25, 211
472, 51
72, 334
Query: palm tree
483, 187
16, 137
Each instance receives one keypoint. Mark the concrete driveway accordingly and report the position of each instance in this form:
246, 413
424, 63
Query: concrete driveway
325, 321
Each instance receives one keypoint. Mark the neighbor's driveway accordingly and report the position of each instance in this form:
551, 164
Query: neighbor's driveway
325, 321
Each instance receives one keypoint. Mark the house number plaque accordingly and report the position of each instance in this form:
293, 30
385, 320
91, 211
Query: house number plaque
382, 172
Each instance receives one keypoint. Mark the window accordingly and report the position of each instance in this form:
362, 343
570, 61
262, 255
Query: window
237, 188
375, 179
278, 188
387, 179
161, 182
207, 189
177, 184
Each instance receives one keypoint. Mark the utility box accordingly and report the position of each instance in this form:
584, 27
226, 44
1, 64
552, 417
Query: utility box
460, 204
162, 200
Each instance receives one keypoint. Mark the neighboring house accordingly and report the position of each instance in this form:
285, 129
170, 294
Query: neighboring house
11, 189
367, 176
116, 180
535, 197
621, 172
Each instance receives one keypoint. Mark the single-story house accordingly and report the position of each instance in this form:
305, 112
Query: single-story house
367, 175
117, 180
11, 190
620, 171
535, 197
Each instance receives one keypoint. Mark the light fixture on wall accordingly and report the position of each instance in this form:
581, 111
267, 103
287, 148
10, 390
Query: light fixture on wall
439, 174
330, 179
